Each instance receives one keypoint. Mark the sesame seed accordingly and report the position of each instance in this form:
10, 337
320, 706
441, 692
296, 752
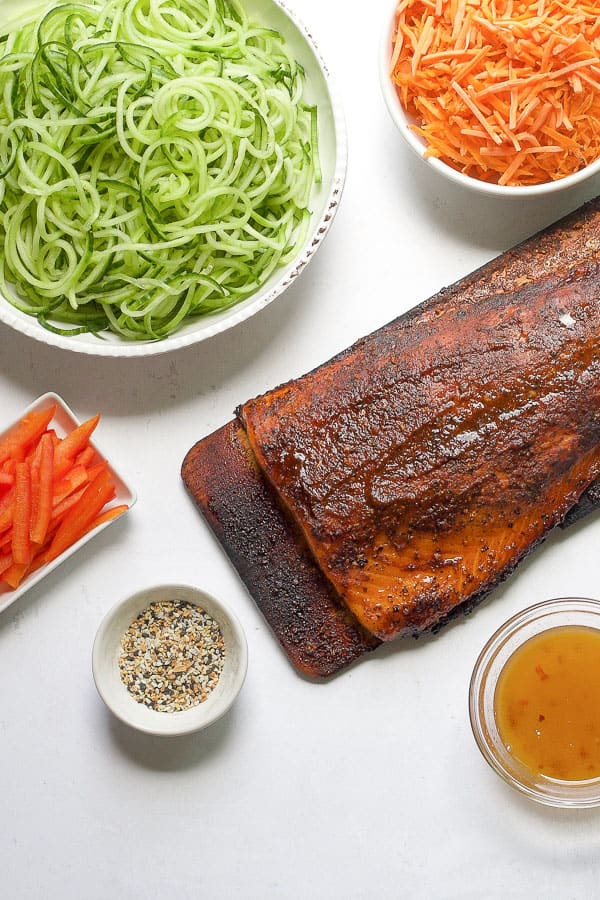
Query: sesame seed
172, 656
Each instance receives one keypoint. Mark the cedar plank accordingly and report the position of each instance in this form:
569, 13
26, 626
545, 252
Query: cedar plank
316, 632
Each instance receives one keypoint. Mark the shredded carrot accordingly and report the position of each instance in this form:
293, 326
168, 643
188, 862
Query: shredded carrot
507, 91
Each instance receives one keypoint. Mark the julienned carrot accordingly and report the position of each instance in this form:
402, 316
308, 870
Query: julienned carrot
113, 513
107, 516
72, 444
6, 478
64, 506
25, 432
34, 477
71, 481
14, 574
42, 511
21, 544
7, 505
86, 457
94, 470
76, 522
505, 92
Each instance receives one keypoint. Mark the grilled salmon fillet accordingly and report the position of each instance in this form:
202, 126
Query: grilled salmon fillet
417, 468
425, 463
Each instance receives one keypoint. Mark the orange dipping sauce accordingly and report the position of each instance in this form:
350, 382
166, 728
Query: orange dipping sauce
547, 703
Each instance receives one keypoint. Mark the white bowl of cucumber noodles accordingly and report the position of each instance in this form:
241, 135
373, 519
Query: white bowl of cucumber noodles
167, 167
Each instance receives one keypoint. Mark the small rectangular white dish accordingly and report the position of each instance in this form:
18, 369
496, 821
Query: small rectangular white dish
63, 422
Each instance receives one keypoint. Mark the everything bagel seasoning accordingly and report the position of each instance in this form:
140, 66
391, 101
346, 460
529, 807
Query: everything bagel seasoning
172, 656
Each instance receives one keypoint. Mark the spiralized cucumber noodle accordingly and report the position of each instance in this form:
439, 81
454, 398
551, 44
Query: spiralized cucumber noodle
156, 163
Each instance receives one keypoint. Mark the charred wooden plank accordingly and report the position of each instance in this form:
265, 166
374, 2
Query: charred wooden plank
590, 501
317, 633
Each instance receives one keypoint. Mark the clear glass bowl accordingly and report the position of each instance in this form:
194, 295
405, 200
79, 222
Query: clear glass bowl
491, 661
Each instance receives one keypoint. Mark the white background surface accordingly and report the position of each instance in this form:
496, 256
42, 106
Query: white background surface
368, 786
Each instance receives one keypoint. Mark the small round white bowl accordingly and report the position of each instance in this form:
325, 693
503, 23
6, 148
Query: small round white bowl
324, 202
107, 649
403, 122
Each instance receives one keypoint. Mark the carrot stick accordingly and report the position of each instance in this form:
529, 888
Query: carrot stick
13, 575
6, 561
65, 505
72, 480
43, 510
113, 513
34, 475
7, 474
27, 430
72, 444
36, 563
92, 471
7, 505
86, 457
79, 517
21, 545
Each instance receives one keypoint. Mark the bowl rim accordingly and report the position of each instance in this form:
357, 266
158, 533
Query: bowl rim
402, 122
121, 349
125, 707
582, 794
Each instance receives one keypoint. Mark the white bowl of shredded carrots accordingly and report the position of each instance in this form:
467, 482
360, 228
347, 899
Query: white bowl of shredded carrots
502, 96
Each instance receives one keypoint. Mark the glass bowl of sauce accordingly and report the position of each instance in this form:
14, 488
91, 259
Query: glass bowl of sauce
534, 702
